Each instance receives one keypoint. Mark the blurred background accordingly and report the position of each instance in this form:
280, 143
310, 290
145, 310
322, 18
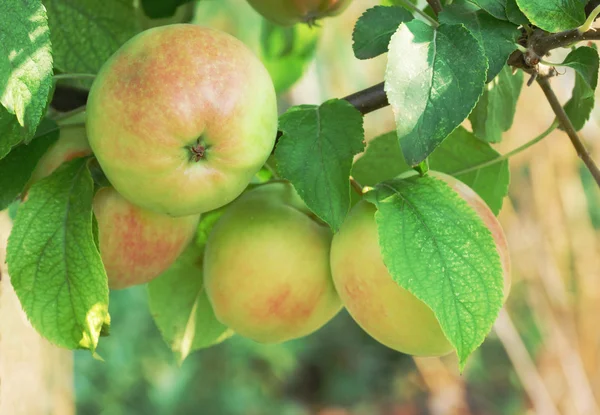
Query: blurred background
543, 356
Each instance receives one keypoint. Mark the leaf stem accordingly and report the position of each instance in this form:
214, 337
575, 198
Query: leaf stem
63, 76
566, 124
66, 115
510, 153
407, 4
590, 20
356, 186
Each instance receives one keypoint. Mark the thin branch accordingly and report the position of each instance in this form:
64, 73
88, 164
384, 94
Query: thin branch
543, 43
436, 6
510, 153
566, 124
369, 100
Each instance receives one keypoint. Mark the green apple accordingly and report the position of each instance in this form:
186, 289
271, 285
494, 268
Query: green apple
266, 267
181, 117
386, 311
289, 12
136, 245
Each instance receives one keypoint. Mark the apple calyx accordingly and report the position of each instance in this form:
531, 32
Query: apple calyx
198, 151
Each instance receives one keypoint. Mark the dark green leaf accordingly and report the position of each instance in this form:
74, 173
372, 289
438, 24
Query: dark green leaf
497, 37
86, 33
374, 29
286, 52
157, 9
437, 247
17, 166
515, 14
495, 111
11, 133
461, 151
26, 64
496, 8
55, 267
585, 62
554, 15
433, 80
315, 153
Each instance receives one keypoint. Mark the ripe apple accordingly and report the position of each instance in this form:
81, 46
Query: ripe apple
266, 267
289, 12
136, 245
180, 119
386, 311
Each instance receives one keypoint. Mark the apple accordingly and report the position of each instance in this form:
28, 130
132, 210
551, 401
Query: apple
289, 12
136, 245
180, 119
386, 311
266, 266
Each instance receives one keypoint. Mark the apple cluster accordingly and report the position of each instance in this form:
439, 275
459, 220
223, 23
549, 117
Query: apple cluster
180, 119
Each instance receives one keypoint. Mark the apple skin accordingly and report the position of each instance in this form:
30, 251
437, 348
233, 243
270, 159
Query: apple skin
180, 119
289, 12
386, 311
136, 245
266, 267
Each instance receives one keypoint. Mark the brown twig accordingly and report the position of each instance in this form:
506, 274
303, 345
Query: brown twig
566, 124
436, 6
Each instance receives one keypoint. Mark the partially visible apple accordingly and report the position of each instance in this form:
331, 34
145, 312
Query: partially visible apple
266, 267
136, 245
386, 311
289, 12
180, 119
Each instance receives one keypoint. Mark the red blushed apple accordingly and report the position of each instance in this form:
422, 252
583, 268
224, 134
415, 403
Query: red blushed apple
386, 311
180, 119
289, 12
136, 245
266, 267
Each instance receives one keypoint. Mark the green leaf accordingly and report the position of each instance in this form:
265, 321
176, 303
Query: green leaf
584, 60
55, 267
86, 33
11, 133
496, 8
157, 9
515, 14
178, 300
495, 111
461, 151
435, 246
16, 168
433, 80
554, 15
26, 64
497, 37
315, 153
286, 52
374, 29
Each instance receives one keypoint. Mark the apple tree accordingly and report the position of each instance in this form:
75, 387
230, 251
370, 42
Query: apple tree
138, 148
